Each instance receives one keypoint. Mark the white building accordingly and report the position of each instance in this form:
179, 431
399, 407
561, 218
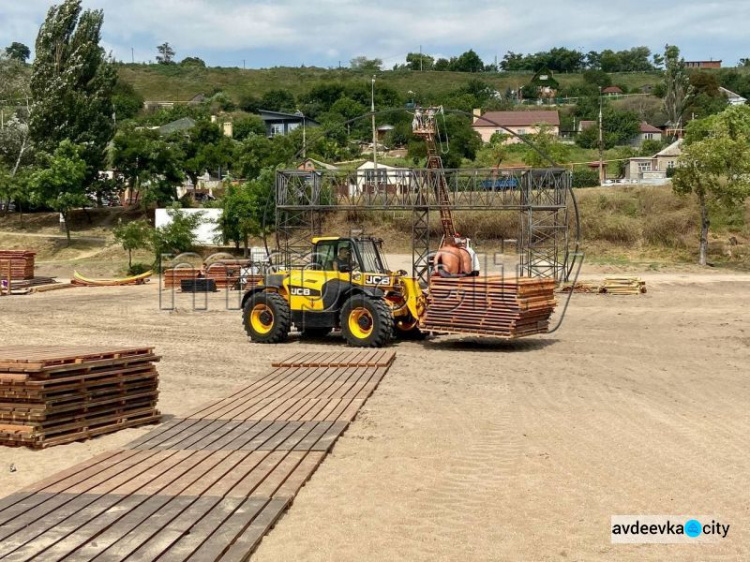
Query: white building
389, 179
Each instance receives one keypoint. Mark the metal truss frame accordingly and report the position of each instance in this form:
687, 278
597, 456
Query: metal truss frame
542, 197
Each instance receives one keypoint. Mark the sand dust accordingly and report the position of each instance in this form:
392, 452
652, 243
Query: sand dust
472, 449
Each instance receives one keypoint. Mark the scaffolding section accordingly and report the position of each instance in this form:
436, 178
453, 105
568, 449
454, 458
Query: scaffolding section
541, 197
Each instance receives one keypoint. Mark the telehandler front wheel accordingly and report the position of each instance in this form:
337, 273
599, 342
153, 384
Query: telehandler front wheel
366, 322
267, 318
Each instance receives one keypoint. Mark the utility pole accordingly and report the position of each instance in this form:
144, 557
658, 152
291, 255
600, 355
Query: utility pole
601, 140
243, 65
304, 139
374, 134
132, 54
420, 59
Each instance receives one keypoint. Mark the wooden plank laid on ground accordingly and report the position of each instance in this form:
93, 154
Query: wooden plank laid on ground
203, 488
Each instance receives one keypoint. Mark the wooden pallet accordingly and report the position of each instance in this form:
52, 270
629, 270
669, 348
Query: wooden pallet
204, 487
50, 396
21, 263
506, 308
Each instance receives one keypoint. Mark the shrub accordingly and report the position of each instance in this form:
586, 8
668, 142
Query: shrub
585, 177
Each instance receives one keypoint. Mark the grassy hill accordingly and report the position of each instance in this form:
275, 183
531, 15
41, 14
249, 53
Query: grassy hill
179, 83
622, 226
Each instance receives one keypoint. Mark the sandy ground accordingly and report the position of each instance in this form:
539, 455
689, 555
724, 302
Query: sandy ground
473, 449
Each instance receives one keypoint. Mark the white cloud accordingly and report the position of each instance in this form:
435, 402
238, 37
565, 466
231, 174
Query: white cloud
318, 32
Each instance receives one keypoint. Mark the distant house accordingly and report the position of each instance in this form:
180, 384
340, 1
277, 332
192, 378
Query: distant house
612, 91
519, 122
542, 85
311, 164
383, 131
646, 132
384, 179
732, 98
197, 100
703, 64
157, 105
653, 169
278, 123
184, 124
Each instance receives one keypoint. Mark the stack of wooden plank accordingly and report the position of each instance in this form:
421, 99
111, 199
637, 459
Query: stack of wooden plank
173, 277
623, 286
55, 395
496, 306
21, 262
582, 287
226, 274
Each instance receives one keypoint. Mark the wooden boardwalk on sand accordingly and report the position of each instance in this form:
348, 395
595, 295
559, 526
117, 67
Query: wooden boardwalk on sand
204, 487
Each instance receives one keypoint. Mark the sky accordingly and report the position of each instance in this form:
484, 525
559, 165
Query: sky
329, 33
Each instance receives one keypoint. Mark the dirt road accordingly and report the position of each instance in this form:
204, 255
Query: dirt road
473, 449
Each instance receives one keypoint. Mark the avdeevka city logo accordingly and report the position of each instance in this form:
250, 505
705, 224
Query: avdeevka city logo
693, 528
632, 529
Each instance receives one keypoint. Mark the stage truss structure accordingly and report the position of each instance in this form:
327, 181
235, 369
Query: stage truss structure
543, 198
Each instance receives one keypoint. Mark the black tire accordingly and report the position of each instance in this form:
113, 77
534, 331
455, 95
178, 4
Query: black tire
315, 333
376, 327
278, 320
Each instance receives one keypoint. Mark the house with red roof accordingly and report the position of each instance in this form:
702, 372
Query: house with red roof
647, 132
518, 122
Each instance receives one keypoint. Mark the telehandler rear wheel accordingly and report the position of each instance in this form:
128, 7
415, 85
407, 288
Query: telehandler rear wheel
267, 318
408, 330
366, 322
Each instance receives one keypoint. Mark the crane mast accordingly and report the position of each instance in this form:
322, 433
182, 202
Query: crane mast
425, 126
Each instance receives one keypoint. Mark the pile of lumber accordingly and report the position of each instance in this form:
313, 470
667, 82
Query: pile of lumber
21, 264
623, 286
582, 287
611, 286
173, 277
55, 395
226, 274
496, 306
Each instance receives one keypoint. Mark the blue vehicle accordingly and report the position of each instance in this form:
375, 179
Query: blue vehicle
500, 184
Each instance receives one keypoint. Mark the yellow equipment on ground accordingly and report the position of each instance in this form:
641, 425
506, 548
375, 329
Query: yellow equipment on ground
346, 285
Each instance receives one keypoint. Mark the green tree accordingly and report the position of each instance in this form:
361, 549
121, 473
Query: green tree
204, 148
16, 148
246, 207
179, 236
467, 62
193, 62
278, 100
166, 54
707, 99
59, 182
715, 164
678, 91
418, 61
133, 235
151, 165
72, 84
546, 142
597, 78
248, 125
442, 64
126, 100
366, 65
18, 52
